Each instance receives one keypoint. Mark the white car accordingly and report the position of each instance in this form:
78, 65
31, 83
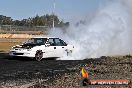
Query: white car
42, 47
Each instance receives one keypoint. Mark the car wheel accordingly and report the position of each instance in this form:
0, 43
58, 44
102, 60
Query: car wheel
39, 55
68, 52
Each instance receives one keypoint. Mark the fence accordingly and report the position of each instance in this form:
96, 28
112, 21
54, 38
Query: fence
13, 35
36, 30
23, 28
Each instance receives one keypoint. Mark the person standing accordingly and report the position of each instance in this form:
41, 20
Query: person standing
85, 75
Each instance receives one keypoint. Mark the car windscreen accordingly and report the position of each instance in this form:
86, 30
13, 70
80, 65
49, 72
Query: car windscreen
36, 41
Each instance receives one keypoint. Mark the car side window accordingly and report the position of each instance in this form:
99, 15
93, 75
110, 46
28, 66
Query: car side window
39, 41
63, 43
59, 42
51, 42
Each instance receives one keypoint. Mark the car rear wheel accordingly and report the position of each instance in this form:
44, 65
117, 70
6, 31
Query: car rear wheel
39, 55
68, 52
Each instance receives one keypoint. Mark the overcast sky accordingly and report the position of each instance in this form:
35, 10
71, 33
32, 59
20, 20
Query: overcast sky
65, 9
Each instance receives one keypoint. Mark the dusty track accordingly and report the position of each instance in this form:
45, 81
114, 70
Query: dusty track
20, 71
23, 72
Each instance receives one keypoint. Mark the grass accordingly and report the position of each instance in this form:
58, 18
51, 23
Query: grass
6, 44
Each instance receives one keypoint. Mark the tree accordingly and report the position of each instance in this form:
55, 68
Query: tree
45, 20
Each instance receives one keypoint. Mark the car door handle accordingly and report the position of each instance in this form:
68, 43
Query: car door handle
54, 47
62, 47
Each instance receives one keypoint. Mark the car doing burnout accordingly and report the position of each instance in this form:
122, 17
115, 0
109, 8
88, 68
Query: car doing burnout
42, 47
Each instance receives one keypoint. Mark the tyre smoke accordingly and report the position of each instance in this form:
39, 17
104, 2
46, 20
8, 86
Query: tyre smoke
106, 33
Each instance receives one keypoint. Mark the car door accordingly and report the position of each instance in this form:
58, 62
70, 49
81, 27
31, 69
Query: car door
50, 48
60, 47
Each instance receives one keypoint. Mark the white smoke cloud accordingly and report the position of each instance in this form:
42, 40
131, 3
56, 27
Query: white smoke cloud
127, 3
108, 32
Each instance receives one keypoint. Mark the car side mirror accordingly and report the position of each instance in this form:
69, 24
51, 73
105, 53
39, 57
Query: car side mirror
47, 44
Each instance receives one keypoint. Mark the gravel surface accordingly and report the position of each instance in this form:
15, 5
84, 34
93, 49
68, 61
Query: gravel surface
26, 73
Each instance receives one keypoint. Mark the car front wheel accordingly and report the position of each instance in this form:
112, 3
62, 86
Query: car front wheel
39, 55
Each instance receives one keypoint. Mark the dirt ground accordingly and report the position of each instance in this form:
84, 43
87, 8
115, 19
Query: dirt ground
108, 68
27, 73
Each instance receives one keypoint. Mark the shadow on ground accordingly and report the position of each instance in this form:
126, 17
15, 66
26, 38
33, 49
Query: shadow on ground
6, 56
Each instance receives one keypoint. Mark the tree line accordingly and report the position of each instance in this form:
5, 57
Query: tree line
45, 20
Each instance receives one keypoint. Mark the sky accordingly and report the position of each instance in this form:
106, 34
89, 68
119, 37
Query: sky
65, 9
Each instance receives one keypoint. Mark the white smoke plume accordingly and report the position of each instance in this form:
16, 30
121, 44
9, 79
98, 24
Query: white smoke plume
108, 32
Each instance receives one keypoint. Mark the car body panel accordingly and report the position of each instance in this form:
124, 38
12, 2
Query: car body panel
49, 50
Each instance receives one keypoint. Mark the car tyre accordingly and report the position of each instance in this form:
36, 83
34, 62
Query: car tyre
68, 52
39, 55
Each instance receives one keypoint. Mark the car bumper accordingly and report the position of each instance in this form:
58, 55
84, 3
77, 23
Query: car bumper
22, 54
